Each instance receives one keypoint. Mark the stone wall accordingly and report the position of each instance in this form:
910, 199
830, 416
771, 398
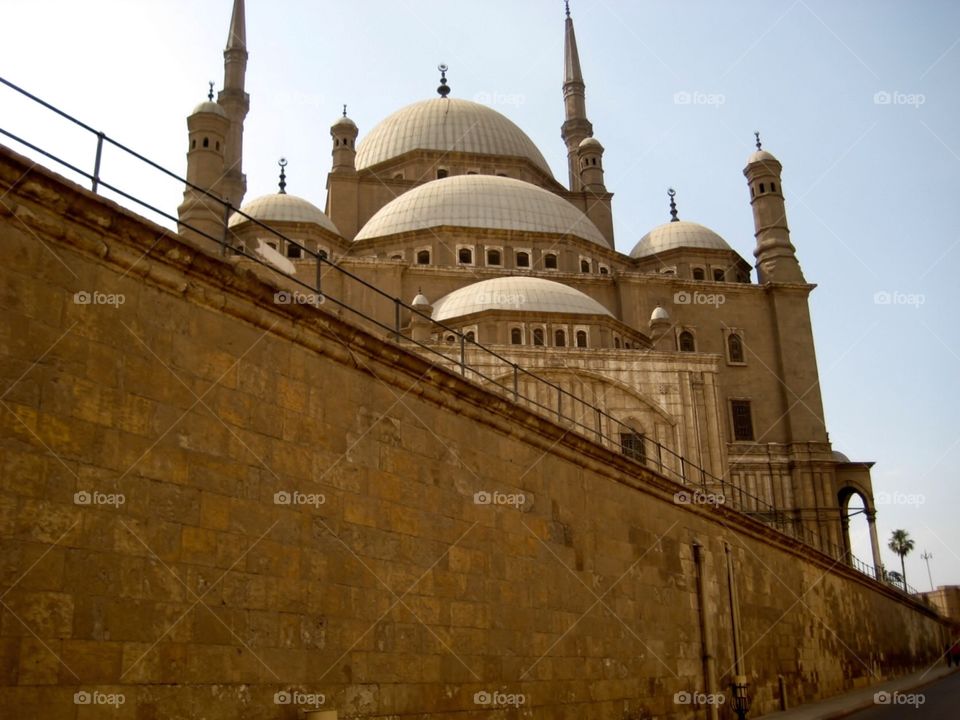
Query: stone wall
207, 498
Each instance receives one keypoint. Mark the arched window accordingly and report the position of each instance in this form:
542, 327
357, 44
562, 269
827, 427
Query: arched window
735, 348
685, 342
493, 257
761, 188
616, 343
442, 173
193, 144
581, 338
218, 145
632, 445
585, 266
423, 257
293, 251
538, 336
465, 256
698, 274
523, 259
206, 142
626, 345
321, 253
604, 270
560, 338
718, 275
470, 336
516, 336
451, 339
773, 187
550, 261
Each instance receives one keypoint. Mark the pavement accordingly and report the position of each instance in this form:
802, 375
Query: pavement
901, 692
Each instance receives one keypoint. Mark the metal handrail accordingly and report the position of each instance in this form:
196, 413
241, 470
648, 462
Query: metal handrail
668, 463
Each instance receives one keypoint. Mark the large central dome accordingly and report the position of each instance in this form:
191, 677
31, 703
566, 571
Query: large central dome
447, 125
518, 294
481, 201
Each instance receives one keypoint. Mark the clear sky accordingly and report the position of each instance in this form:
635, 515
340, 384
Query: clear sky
858, 99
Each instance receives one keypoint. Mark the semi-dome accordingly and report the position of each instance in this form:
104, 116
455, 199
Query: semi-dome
481, 201
679, 234
659, 315
447, 125
208, 106
523, 294
281, 207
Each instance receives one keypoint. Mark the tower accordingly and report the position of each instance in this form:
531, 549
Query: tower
590, 162
576, 127
344, 132
236, 103
776, 256
202, 217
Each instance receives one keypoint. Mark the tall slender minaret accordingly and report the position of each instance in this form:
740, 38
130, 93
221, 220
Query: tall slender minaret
236, 102
576, 127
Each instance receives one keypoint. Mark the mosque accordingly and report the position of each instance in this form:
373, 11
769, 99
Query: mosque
696, 358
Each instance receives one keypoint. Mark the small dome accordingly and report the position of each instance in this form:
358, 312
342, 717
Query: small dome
840, 457
420, 301
680, 234
591, 142
659, 315
522, 294
281, 207
761, 156
450, 125
344, 121
208, 106
481, 201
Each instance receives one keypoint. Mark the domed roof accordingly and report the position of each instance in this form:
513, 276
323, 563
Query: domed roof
761, 156
447, 125
342, 121
481, 201
590, 142
281, 207
523, 294
680, 234
659, 315
840, 457
208, 106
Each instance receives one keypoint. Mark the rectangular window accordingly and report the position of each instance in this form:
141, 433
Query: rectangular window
631, 445
742, 420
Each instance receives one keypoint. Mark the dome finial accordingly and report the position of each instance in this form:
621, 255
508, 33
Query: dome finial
344, 109
756, 134
283, 176
673, 205
210, 94
567, 4
444, 89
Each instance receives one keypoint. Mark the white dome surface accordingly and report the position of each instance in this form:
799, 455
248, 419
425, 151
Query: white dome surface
447, 125
523, 294
281, 207
680, 234
208, 106
481, 201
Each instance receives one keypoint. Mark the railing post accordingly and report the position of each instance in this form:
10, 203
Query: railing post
319, 272
559, 404
396, 319
599, 426
225, 239
659, 457
96, 163
463, 354
516, 382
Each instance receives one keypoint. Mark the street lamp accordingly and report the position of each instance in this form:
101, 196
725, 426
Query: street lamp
741, 703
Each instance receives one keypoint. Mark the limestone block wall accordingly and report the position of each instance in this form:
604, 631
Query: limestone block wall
211, 504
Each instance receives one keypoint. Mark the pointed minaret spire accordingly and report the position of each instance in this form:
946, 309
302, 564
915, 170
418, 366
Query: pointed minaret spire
576, 127
235, 102
283, 176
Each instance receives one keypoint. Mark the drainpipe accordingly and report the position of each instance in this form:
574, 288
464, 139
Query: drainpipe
706, 633
734, 611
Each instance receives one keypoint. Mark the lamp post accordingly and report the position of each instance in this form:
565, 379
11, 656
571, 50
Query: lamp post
741, 703
928, 556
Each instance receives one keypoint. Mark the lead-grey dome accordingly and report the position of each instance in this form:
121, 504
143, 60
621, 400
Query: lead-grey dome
522, 294
281, 207
481, 201
447, 125
680, 234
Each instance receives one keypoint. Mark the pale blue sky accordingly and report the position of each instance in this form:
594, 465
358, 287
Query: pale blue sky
871, 188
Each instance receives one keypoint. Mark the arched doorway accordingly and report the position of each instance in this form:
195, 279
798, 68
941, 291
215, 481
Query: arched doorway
859, 531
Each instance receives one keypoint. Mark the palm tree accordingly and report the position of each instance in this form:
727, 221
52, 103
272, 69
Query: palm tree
901, 544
